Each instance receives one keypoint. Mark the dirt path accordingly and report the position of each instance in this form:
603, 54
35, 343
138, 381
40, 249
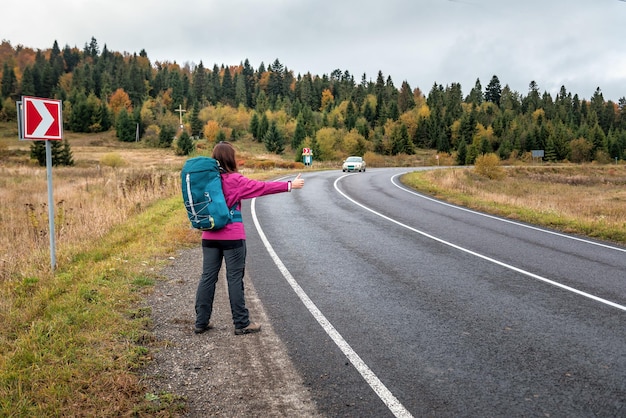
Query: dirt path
219, 373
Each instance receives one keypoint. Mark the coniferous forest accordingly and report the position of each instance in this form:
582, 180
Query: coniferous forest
335, 114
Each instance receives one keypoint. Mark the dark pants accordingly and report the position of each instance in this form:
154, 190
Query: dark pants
234, 254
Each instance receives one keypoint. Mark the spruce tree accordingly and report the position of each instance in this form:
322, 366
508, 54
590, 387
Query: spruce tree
485, 146
228, 87
105, 116
9, 81
28, 82
125, 127
254, 126
550, 154
166, 136
461, 155
274, 140
60, 151
195, 122
299, 134
400, 141
184, 144
406, 100
220, 137
80, 117
65, 154
263, 127
493, 91
241, 92
199, 78
38, 152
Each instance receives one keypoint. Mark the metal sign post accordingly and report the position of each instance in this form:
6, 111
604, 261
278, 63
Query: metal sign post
41, 119
53, 253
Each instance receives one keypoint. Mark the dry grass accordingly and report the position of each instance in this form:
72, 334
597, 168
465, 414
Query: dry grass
589, 200
88, 202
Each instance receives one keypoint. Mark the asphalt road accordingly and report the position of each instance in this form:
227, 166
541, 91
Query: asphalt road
391, 303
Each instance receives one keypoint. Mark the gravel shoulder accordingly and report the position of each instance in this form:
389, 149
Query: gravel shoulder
219, 373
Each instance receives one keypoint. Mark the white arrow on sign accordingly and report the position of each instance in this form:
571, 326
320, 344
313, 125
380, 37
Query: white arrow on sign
46, 119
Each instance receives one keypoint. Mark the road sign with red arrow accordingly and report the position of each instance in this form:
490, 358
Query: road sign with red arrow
40, 119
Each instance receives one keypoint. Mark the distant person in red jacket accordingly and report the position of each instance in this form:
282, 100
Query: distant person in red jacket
229, 243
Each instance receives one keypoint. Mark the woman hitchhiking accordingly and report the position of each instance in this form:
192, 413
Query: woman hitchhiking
229, 243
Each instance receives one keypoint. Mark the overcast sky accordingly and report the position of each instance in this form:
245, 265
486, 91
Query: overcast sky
580, 44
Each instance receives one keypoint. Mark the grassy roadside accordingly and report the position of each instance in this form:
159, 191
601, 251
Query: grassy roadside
76, 336
586, 200
71, 341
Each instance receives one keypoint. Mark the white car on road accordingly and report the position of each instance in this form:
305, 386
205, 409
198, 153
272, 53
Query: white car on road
353, 164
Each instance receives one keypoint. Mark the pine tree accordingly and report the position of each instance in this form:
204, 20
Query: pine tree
105, 116
65, 154
393, 112
420, 136
38, 152
274, 140
475, 96
350, 119
125, 127
215, 93
80, 117
550, 154
9, 81
505, 150
485, 146
228, 87
241, 93
199, 83
178, 96
28, 82
60, 152
166, 136
263, 128
248, 75
400, 142
461, 155
184, 144
194, 121
254, 126
406, 100
299, 134
493, 91
407, 144
468, 127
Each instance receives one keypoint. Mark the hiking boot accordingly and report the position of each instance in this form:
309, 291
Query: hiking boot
200, 330
251, 328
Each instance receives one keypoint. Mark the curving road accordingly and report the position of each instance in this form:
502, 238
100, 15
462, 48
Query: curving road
394, 304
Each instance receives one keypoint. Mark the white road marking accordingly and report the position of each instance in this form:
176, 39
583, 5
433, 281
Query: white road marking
484, 257
599, 244
372, 380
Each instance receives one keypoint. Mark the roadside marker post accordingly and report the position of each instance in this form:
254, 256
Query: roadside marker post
307, 157
41, 119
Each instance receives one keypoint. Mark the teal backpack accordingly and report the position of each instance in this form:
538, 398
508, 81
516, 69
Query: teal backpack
203, 196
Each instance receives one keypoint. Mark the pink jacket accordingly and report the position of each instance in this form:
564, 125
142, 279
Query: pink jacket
236, 188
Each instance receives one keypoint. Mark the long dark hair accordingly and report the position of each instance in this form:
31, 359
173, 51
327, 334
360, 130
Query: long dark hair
224, 152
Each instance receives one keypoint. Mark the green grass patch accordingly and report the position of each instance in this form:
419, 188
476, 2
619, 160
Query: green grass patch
72, 340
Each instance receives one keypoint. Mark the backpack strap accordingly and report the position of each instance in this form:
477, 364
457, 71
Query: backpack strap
236, 214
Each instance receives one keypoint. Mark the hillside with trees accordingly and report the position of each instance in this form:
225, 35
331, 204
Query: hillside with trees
334, 114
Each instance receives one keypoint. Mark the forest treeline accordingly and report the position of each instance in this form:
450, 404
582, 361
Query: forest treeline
334, 114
